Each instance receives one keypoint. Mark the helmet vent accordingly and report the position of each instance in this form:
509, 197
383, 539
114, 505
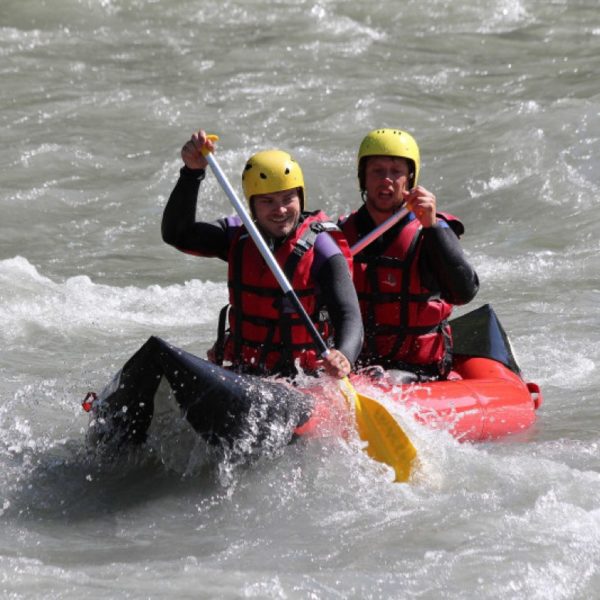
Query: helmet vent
287, 170
263, 176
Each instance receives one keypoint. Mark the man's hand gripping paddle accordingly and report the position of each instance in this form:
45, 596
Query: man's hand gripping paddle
386, 441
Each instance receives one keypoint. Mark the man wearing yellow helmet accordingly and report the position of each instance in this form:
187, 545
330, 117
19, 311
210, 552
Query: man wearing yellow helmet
265, 334
410, 277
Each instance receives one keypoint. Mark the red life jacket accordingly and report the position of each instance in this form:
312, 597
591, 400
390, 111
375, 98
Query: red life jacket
405, 323
266, 335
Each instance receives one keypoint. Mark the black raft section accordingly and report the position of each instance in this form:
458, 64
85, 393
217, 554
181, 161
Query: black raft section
479, 333
222, 406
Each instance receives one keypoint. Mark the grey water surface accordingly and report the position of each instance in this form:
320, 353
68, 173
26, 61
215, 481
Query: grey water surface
97, 98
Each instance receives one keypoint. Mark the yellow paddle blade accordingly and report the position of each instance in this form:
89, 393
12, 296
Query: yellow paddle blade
387, 442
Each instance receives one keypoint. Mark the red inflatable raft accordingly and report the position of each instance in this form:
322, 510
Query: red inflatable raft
483, 400
484, 397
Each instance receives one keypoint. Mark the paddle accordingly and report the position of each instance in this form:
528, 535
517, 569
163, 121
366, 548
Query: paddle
387, 442
379, 230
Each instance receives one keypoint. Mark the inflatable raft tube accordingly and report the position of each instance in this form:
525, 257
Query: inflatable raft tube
223, 407
485, 396
484, 400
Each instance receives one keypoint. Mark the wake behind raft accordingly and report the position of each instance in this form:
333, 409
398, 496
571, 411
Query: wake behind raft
485, 396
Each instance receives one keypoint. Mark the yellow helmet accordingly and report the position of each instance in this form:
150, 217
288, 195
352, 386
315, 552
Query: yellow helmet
272, 171
389, 142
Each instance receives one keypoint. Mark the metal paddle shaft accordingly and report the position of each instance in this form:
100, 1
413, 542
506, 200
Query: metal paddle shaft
387, 442
379, 230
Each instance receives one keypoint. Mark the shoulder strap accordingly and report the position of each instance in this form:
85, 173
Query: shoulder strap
305, 242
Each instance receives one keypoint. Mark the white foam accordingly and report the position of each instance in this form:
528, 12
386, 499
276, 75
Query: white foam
33, 301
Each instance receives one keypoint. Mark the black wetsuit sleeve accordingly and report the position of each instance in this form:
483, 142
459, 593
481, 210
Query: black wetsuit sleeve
444, 266
179, 226
339, 296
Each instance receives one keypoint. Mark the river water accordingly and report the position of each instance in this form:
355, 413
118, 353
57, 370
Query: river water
97, 98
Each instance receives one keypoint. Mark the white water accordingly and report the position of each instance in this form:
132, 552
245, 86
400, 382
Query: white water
97, 99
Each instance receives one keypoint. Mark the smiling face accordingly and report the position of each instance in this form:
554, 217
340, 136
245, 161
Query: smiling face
278, 213
385, 180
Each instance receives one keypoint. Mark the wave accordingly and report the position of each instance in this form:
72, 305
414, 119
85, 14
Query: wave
33, 302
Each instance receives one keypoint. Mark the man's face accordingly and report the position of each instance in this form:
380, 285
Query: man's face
277, 213
385, 179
